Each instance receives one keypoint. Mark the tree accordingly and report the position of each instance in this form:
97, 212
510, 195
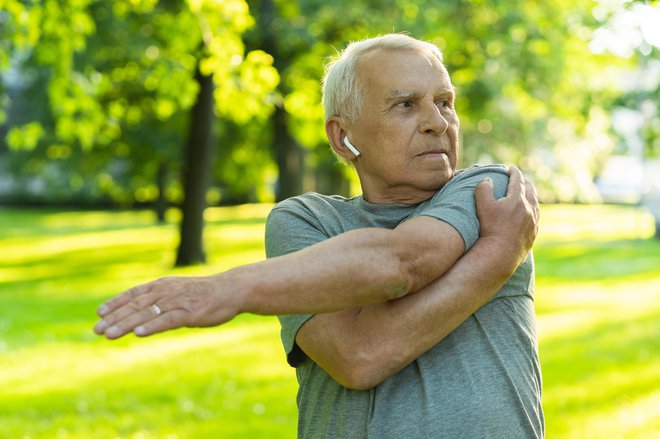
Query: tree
114, 71
120, 81
630, 31
524, 74
197, 174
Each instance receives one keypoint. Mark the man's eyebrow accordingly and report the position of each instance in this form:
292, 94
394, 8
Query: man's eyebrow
451, 90
397, 95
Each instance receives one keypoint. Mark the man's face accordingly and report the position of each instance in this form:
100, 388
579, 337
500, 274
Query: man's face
407, 131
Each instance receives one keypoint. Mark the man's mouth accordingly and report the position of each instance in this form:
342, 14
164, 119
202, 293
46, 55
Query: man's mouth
433, 152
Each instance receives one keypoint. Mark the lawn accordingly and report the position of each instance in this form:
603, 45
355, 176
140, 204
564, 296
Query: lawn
598, 305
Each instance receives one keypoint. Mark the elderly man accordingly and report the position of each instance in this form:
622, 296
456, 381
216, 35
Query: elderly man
372, 358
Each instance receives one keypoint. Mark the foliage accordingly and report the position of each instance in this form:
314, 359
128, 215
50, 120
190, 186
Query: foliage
524, 74
597, 305
631, 32
120, 79
535, 87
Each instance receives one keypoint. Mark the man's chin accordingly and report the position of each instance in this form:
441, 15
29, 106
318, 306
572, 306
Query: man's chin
446, 175
440, 180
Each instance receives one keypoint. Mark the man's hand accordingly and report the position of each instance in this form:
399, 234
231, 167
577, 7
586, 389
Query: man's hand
513, 220
167, 303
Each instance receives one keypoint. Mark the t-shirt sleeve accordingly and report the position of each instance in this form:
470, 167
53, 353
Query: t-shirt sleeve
455, 205
290, 228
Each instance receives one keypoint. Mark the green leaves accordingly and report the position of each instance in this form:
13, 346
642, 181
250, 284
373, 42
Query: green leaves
118, 64
25, 137
118, 76
246, 92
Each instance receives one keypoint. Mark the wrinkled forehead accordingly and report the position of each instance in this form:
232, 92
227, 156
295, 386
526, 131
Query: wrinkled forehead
382, 55
385, 68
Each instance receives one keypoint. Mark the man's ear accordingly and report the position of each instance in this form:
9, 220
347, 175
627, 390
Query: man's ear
335, 129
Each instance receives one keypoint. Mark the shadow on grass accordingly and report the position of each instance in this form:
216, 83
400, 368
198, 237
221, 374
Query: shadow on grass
27, 322
86, 263
53, 222
589, 260
46, 282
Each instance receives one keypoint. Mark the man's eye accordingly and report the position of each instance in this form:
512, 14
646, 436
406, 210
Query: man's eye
444, 104
404, 104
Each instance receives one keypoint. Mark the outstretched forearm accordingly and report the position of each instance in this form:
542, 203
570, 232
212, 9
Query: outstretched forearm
352, 269
356, 268
359, 267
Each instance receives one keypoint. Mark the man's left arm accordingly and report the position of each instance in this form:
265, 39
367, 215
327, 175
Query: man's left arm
356, 268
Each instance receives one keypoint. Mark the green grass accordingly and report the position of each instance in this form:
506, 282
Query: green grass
57, 379
598, 306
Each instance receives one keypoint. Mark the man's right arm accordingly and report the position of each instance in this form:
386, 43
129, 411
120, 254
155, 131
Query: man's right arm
364, 346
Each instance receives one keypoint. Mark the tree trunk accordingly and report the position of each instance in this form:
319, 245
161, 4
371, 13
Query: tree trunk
330, 179
196, 175
160, 206
288, 156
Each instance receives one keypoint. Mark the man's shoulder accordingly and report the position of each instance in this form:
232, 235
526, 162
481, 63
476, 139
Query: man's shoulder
480, 170
312, 208
469, 178
298, 222
311, 200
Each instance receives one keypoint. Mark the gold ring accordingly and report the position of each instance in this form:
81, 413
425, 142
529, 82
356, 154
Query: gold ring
156, 309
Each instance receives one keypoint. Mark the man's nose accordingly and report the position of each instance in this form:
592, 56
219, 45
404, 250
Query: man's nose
434, 122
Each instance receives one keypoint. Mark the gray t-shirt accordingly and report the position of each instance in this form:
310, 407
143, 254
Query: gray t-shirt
481, 381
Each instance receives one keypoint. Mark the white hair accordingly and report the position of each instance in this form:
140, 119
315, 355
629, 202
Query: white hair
342, 93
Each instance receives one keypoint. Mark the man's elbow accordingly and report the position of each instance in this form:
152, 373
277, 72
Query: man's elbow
401, 272
356, 379
402, 282
359, 371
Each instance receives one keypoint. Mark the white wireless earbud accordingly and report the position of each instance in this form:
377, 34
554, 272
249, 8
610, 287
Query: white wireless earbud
350, 146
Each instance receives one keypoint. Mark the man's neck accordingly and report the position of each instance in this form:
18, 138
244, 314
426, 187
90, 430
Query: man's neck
398, 195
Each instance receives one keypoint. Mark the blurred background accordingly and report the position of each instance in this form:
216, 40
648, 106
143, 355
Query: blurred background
147, 138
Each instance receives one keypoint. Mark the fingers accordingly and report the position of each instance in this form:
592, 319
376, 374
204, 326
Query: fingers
530, 192
168, 303
523, 189
136, 307
532, 200
484, 191
515, 189
132, 314
516, 183
161, 323
122, 299
123, 320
